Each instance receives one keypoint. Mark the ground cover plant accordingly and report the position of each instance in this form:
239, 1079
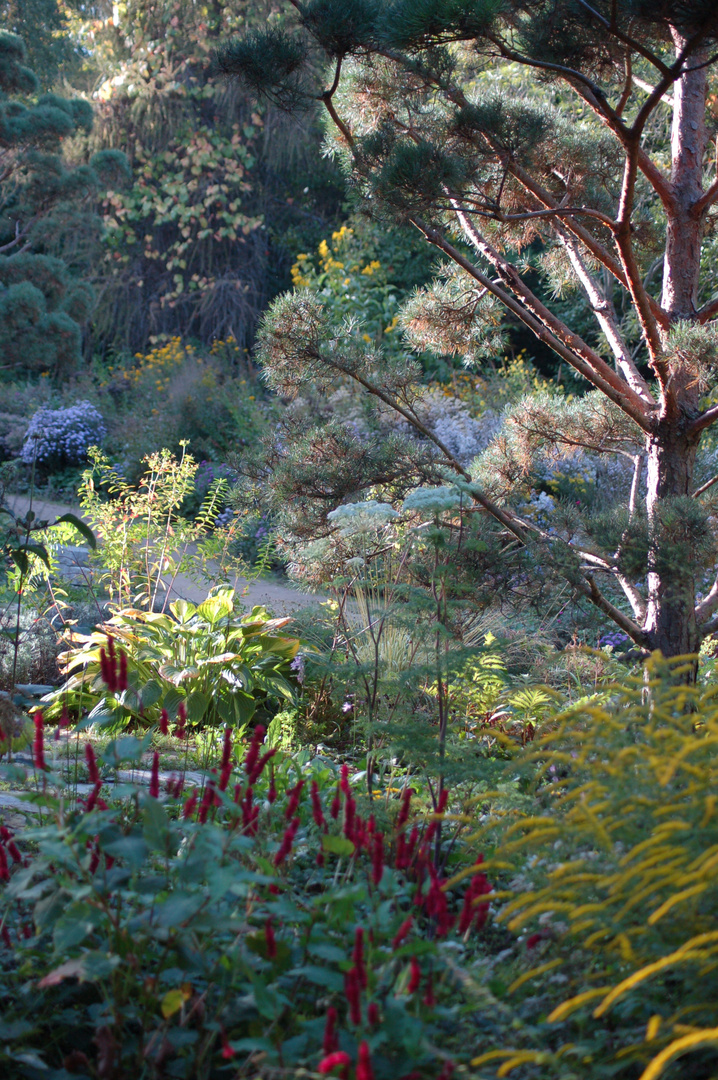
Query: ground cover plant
265, 921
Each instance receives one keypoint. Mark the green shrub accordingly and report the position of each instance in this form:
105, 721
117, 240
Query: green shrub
616, 889
220, 664
252, 930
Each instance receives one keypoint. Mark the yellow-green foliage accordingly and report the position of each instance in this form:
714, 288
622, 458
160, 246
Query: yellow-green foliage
616, 886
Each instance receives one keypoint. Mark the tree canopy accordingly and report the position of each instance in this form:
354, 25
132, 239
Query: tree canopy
544, 150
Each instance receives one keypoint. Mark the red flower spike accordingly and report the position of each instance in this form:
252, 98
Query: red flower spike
237, 793
287, 841
295, 795
226, 749
336, 805
405, 807
402, 932
122, 678
377, 859
411, 845
320, 858
180, 731
227, 1050
4, 934
414, 977
352, 992
104, 668
207, 801
364, 1067
349, 815
93, 799
26, 930
155, 777
429, 1000
339, 1059
38, 746
4, 871
252, 754
447, 1072
401, 859
344, 781
259, 767
358, 957
92, 764
164, 722
372, 1014
330, 1043
190, 805
317, 812
533, 940
64, 717
270, 939
13, 851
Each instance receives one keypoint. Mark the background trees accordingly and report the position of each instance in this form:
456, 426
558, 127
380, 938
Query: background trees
529, 144
46, 232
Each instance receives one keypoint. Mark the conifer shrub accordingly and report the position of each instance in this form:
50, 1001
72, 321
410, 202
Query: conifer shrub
614, 891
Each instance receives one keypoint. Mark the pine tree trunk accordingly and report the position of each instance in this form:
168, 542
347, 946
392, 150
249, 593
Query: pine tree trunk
670, 616
671, 621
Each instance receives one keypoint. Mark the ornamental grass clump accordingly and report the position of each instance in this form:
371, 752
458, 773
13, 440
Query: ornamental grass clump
614, 890
228, 932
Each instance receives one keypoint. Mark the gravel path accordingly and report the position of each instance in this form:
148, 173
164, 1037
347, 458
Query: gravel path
278, 598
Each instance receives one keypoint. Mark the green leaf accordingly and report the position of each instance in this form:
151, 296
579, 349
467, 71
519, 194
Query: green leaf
338, 845
82, 528
172, 1002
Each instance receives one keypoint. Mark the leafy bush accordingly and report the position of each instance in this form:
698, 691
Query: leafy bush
146, 541
259, 927
616, 891
218, 664
59, 437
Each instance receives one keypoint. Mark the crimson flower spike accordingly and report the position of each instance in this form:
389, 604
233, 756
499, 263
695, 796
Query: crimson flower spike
38, 746
414, 977
364, 1067
377, 858
330, 1043
164, 722
293, 803
358, 957
270, 939
352, 992
92, 763
405, 807
155, 777
317, 812
181, 720
226, 763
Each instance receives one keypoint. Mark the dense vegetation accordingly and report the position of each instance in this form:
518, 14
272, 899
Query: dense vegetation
410, 308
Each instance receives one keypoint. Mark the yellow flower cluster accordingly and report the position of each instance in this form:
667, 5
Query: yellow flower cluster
303, 270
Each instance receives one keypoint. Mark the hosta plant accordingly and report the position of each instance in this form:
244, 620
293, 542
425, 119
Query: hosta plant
212, 663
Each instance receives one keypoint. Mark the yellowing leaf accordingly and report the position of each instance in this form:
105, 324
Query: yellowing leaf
172, 1002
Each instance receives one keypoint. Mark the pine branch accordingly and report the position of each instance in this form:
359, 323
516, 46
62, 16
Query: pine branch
625, 39
594, 594
708, 310
706, 200
555, 333
606, 317
703, 421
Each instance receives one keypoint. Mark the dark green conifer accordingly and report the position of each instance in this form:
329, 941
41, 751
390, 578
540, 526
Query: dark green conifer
45, 223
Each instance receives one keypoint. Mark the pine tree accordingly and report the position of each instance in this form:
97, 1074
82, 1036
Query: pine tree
563, 138
44, 221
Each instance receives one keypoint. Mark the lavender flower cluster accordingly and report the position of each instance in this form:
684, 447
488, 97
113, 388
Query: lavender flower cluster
63, 436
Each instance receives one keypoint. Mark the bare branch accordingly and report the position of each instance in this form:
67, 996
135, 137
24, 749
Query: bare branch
634, 631
708, 310
705, 487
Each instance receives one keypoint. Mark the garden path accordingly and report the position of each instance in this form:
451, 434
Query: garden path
279, 599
